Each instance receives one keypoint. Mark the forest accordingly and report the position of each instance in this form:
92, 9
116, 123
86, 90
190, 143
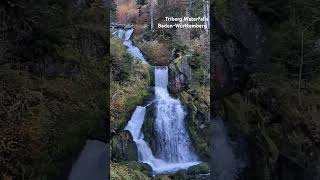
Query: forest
265, 59
246, 90
185, 54
53, 84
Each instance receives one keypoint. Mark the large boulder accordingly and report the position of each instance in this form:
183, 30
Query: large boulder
180, 75
129, 171
198, 121
148, 127
201, 168
123, 147
200, 172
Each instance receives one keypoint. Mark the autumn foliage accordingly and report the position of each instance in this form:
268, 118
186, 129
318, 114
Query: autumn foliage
127, 11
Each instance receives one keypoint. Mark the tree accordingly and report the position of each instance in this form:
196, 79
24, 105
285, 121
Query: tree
302, 58
152, 4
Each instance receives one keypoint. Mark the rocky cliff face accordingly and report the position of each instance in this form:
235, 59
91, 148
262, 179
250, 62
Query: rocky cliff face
180, 76
236, 47
249, 104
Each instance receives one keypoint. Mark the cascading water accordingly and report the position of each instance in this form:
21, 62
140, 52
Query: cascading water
128, 34
134, 51
174, 151
174, 143
119, 33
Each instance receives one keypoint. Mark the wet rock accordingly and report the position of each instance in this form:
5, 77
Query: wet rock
148, 128
129, 170
197, 123
201, 168
123, 147
180, 75
200, 172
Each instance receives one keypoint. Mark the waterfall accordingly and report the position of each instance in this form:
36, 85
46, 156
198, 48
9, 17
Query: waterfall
174, 151
133, 50
174, 143
120, 33
128, 34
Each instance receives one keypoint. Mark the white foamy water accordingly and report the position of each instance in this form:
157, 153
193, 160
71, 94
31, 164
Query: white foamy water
174, 151
133, 50
174, 143
128, 34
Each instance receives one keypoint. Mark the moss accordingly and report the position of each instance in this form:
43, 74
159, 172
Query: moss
237, 112
62, 113
221, 8
148, 128
196, 103
128, 171
130, 91
202, 168
70, 54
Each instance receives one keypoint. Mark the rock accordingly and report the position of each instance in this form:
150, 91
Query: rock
148, 168
123, 147
148, 128
128, 170
197, 123
200, 172
232, 65
201, 168
180, 75
127, 27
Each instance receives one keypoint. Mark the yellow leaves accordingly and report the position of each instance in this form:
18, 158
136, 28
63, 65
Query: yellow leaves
118, 103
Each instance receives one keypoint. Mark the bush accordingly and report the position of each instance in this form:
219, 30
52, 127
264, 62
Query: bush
156, 53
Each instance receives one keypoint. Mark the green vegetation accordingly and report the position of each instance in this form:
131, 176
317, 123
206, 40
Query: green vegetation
202, 168
53, 83
276, 107
197, 96
221, 8
130, 82
128, 171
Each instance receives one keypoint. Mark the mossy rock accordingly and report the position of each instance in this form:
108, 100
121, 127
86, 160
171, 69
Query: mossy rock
128, 171
201, 168
148, 127
182, 174
180, 75
123, 148
243, 116
197, 125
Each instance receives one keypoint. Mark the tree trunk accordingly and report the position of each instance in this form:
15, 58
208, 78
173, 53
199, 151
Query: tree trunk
300, 71
206, 14
151, 14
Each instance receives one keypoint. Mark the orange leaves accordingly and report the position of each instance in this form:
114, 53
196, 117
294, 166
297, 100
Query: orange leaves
157, 53
127, 11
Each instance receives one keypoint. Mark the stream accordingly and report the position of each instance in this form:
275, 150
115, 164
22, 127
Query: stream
174, 151
174, 148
